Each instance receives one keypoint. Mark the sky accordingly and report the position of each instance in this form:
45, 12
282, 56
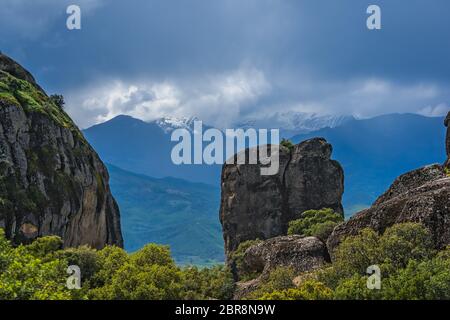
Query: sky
228, 60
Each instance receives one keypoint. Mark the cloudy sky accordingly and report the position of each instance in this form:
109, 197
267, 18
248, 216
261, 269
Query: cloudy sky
226, 60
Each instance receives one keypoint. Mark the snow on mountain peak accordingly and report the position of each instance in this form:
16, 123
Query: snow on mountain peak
168, 124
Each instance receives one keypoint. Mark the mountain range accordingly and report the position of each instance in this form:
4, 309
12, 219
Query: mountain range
372, 152
170, 211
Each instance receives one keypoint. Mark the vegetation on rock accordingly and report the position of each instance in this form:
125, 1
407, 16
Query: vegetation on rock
317, 223
287, 143
237, 258
410, 269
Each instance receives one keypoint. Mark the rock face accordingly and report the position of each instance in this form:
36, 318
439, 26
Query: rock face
447, 141
421, 196
51, 181
254, 206
298, 252
302, 254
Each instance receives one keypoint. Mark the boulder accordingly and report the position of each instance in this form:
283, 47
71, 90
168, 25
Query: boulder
302, 254
422, 196
297, 252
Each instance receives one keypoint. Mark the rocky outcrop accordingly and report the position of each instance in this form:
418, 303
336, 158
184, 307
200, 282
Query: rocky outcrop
301, 254
51, 181
422, 196
447, 140
297, 252
254, 206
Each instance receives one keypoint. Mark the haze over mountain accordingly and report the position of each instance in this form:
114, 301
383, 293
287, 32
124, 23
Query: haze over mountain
169, 211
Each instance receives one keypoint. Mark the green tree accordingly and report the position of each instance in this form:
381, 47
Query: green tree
58, 100
208, 283
23, 276
287, 144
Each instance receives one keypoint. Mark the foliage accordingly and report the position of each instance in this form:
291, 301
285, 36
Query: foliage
308, 290
208, 283
318, 223
58, 100
84, 257
24, 276
287, 144
237, 257
38, 271
279, 279
410, 269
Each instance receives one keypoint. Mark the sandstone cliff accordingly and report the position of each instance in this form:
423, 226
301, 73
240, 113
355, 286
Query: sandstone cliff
51, 180
254, 206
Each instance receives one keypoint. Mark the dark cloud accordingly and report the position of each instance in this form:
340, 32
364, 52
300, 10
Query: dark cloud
312, 54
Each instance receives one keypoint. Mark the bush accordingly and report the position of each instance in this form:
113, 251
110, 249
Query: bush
58, 100
152, 254
24, 276
404, 242
45, 246
309, 290
238, 259
410, 267
317, 223
279, 279
83, 257
208, 283
287, 144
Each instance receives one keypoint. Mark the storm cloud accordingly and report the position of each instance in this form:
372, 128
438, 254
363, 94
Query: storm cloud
226, 60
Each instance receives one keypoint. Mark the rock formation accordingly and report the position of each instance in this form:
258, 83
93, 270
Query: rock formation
421, 195
302, 254
297, 252
447, 140
260, 207
51, 181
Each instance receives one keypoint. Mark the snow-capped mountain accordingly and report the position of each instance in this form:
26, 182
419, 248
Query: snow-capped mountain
291, 123
168, 124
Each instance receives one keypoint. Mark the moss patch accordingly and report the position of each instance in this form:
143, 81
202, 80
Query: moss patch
22, 93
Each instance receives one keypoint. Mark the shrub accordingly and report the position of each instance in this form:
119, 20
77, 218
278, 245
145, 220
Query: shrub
152, 254
58, 100
279, 279
208, 283
287, 144
309, 290
238, 258
318, 223
83, 257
